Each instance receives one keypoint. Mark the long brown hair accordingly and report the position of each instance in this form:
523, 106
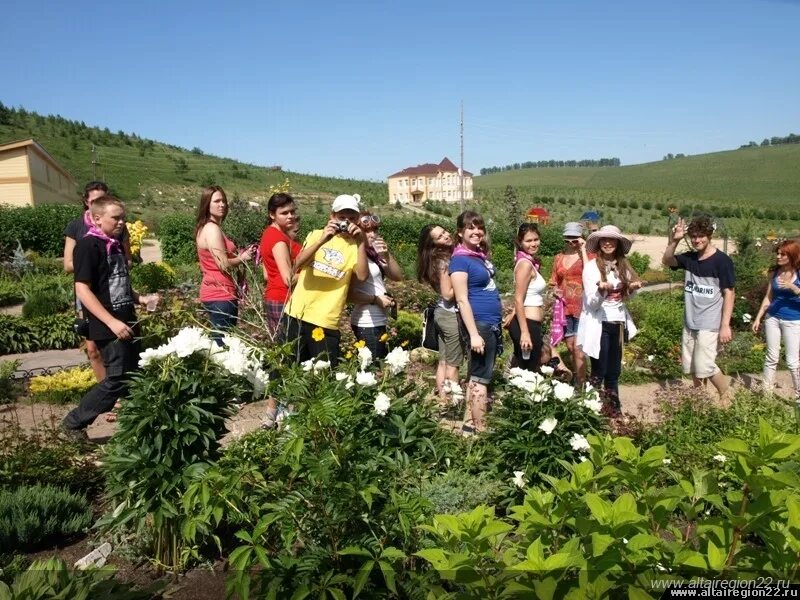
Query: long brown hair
203, 211
792, 251
625, 271
429, 257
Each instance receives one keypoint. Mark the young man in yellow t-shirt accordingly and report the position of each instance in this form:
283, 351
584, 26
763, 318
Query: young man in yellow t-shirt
328, 260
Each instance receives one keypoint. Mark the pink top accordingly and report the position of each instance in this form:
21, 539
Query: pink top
216, 285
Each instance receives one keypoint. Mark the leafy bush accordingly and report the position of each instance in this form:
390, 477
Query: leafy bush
10, 292
39, 228
176, 234
168, 430
152, 277
568, 537
45, 302
63, 387
458, 491
45, 457
659, 319
32, 516
639, 262
42, 333
526, 404
9, 387
410, 295
409, 328
49, 579
690, 424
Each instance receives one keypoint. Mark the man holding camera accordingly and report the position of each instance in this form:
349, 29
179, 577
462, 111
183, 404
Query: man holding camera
328, 260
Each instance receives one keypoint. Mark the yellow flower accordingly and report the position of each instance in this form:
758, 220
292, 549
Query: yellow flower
384, 337
360, 344
317, 334
349, 355
404, 344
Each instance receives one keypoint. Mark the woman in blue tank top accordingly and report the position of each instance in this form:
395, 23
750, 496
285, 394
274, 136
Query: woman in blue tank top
782, 306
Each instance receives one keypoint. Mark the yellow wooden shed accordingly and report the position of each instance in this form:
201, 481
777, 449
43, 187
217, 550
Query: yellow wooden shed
29, 176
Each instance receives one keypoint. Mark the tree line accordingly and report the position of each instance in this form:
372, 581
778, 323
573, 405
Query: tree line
544, 164
792, 138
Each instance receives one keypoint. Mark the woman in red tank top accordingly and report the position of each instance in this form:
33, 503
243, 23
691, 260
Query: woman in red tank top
218, 259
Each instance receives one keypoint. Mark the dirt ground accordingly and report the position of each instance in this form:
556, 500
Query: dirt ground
654, 245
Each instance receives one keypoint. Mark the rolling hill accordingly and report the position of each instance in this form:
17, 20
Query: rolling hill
768, 176
152, 177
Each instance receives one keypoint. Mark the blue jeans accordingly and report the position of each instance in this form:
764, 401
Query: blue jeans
223, 315
372, 338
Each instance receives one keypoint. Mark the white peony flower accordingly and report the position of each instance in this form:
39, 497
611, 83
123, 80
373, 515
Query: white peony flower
545, 370
321, 365
341, 376
650, 357
519, 479
307, 364
452, 388
189, 340
365, 357
382, 404
548, 425
579, 443
525, 380
720, 458
747, 317
365, 379
667, 461
397, 360
563, 391
259, 378
593, 404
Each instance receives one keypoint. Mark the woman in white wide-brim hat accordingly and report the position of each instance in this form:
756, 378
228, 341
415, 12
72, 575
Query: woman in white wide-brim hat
608, 281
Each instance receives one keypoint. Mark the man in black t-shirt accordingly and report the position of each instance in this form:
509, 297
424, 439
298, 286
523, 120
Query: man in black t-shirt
103, 287
76, 230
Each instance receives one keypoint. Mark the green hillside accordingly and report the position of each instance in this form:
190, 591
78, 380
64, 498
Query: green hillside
153, 177
768, 176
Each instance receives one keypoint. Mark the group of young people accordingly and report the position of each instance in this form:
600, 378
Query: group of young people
347, 261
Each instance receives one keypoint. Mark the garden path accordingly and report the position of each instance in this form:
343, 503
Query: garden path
640, 401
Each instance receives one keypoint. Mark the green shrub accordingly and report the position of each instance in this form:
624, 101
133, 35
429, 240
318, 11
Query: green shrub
526, 401
45, 302
152, 277
639, 262
53, 332
409, 328
9, 386
62, 387
44, 457
176, 234
32, 516
659, 320
10, 292
457, 491
39, 228
46, 580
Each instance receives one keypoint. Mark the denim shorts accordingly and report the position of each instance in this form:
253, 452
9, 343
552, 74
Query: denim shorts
571, 326
481, 366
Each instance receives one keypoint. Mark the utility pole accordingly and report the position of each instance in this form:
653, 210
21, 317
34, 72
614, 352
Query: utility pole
461, 168
94, 164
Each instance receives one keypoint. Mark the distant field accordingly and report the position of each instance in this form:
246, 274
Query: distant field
757, 176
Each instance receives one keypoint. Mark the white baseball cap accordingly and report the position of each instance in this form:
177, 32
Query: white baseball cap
346, 202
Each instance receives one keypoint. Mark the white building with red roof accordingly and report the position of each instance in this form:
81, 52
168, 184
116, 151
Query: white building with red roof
430, 181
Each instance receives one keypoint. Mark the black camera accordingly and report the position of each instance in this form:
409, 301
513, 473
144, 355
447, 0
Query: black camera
343, 226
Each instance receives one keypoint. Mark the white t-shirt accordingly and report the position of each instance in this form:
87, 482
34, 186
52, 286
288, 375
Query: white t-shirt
613, 309
370, 315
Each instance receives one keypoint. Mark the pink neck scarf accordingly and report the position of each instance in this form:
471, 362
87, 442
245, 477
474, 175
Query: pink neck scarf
525, 256
461, 250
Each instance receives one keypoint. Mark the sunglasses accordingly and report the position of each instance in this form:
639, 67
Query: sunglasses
571, 240
370, 220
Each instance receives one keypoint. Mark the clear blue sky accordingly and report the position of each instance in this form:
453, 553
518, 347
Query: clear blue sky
363, 89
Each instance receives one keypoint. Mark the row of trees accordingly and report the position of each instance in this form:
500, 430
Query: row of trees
792, 138
543, 164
